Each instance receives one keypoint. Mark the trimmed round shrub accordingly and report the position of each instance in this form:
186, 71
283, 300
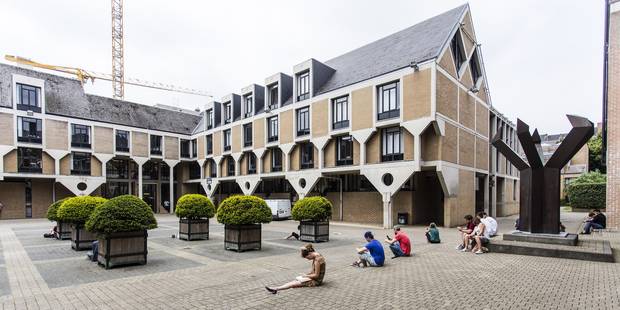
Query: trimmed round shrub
312, 209
587, 195
53, 210
77, 210
242, 210
122, 214
194, 206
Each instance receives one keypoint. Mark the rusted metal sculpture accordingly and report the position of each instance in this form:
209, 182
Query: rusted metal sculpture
539, 205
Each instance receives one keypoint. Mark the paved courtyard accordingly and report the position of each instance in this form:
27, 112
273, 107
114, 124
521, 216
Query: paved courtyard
38, 273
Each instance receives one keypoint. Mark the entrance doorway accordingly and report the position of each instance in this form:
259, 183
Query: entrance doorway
149, 195
480, 188
165, 197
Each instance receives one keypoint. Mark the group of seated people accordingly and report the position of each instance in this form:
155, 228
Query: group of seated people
596, 220
477, 233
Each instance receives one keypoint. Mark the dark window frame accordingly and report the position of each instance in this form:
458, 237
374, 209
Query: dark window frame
184, 148
194, 146
80, 163
81, 139
274, 94
209, 117
31, 93
209, 143
251, 163
276, 160
32, 156
475, 68
344, 153
458, 51
306, 156
247, 136
303, 119
230, 166
227, 136
194, 171
119, 146
155, 144
31, 136
303, 85
228, 112
272, 127
391, 108
212, 169
340, 112
248, 105
396, 152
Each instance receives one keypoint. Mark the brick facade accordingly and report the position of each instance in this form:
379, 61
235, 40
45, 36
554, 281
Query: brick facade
613, 119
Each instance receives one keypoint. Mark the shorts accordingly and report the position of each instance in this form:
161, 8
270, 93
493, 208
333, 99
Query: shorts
368, 259
311, 283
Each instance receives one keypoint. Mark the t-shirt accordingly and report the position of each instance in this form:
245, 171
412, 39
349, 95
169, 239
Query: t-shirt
491, 226
600, 219
487, 231
434, 234
471, 226
376, 251
403, 241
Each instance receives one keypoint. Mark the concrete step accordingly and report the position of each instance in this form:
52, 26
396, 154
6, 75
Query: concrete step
590, 250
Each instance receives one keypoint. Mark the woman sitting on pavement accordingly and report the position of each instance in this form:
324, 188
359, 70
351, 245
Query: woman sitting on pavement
432, 234
313, 278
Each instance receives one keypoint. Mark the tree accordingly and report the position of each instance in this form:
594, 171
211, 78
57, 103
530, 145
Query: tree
595, 146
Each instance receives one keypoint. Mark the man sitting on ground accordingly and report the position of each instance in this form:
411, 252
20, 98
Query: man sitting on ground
371, 254
464, 232
596, 220
400, 245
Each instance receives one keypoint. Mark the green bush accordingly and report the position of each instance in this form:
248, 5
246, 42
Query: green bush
590, 177
241, 210
587, 195
122, 214
312, 209
194, 206
53, 210
77, 210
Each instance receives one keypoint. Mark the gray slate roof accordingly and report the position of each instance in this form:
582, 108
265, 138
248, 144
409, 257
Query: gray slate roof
417, 43
66, 97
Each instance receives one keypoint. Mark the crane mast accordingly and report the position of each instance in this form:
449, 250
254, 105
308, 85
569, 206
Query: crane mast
118, 66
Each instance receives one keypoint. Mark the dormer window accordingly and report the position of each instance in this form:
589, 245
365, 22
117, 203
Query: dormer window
227, 140
209, 117
272, 94
227, 113
80, 136
458, 51
28, 98
303, 85
248, 104
474, 67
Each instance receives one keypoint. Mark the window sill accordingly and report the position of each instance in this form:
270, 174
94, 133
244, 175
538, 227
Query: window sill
340, 125
30, 140
23, 107
391, 157
81, 145
30, 170
122, 149
272, 139
344, 162
388, 115
80, 172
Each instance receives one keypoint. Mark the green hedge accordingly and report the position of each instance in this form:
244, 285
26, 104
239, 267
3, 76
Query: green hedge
241, 210
122, 214
53, 210
77, 210
194, 206
587, 195
312, 209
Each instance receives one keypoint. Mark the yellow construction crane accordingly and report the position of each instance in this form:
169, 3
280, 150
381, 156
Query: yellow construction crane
86, 75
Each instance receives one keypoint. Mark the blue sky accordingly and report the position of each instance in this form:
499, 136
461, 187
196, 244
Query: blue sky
543, 58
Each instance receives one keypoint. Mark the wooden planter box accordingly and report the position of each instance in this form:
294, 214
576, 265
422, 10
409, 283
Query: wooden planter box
242, 237
64, 230
81, 239
314, 231
123, 248
197, 229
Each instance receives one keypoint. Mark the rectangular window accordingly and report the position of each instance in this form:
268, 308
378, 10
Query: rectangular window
474, 66
194, 171
251, 162
117, 169
276, 160
303, 86
388, 101
230, 163
248, 104
29, 130
391, 144
209, 117
273, 96
344, 151
247, 135
458, 51
272, 129
303, 121
307, 156
340, 112
185, 148
29, 160
80, 163
155, 145
209, 144
122, 141
227, 140
150, 170
194, 143
28, 199
227, 113
213, 169
28, 98
80, 136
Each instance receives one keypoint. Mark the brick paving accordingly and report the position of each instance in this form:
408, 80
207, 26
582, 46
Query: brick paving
46, 274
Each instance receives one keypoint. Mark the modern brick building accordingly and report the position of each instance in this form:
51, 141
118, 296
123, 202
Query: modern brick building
611, 116
400, 125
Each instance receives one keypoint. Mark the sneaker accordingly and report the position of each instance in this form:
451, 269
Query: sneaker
460, 247
393, 257
270, 290
464, 250
479, 252
485, 249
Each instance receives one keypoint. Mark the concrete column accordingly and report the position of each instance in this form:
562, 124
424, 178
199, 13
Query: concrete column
171, 190
387, 210
140, 181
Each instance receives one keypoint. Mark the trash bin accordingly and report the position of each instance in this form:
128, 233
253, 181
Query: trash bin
403, 218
